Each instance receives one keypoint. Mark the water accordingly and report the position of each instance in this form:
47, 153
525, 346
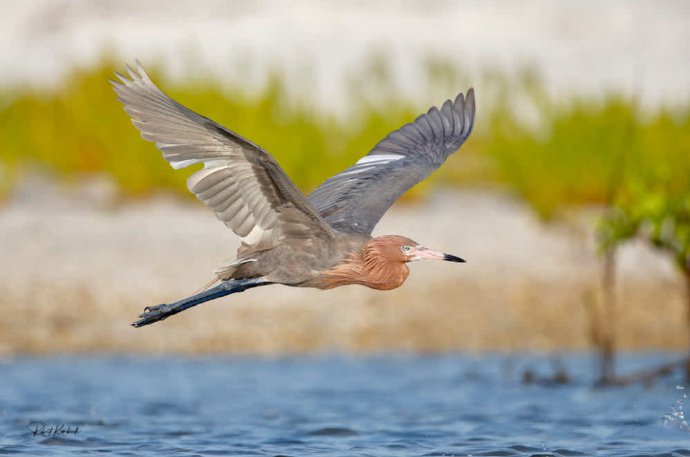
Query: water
339, 406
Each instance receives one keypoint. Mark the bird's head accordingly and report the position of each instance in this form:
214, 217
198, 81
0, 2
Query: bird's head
401, 249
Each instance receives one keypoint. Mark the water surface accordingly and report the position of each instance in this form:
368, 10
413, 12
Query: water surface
391, 405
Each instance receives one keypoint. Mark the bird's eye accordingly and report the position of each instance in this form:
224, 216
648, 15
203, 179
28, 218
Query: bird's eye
406, 248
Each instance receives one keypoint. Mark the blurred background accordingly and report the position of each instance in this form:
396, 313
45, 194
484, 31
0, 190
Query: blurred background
570, 201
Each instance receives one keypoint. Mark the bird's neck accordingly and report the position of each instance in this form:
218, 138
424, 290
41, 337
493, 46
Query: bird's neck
367, 268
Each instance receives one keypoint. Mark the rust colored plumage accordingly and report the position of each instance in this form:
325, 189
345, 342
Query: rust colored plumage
323, 240
380, 264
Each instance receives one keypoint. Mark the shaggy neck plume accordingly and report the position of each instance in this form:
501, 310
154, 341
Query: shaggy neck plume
379, 265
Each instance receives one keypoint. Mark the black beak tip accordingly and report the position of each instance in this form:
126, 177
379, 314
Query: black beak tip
452, 258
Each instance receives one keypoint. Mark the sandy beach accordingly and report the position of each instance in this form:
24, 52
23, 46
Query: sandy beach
79, 268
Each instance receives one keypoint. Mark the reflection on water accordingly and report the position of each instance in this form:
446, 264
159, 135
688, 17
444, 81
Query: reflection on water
384, 405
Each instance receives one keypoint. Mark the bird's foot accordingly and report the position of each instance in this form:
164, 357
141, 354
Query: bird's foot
157, 313
153, 314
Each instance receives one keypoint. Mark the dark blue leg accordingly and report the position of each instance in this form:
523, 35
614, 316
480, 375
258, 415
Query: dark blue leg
157, 313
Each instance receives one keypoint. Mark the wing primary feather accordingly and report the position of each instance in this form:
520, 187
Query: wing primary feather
354, 200
469, 108
447, 115
436, 123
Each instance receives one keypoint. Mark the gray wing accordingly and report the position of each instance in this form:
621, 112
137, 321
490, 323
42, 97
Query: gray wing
355, 200
240, 182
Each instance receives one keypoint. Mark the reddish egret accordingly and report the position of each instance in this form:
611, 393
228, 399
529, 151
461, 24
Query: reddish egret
323, 240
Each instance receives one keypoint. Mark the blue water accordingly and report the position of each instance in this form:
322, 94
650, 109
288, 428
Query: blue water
337, 405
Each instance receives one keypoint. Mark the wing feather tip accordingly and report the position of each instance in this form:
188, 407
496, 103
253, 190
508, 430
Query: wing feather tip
469, 111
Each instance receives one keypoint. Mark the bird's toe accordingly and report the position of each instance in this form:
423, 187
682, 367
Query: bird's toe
152, 310
151, 314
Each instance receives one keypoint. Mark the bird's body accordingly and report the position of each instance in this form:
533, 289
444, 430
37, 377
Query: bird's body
325, 264
301, 263
323, 241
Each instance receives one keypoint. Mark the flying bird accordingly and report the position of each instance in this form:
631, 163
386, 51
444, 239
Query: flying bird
322, 240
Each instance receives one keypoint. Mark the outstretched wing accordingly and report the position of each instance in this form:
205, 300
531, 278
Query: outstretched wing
240, 182
355, 200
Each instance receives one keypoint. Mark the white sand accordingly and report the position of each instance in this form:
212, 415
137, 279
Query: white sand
77, 275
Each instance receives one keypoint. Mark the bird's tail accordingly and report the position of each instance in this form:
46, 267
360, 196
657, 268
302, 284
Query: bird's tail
157, 313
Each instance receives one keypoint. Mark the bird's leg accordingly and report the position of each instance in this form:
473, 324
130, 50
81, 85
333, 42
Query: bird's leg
157, 313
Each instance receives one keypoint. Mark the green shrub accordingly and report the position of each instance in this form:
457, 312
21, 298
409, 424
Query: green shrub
553, 154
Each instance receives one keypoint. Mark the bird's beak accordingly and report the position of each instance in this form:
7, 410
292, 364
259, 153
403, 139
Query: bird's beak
425, 253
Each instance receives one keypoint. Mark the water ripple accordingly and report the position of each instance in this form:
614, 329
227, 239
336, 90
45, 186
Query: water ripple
398, 406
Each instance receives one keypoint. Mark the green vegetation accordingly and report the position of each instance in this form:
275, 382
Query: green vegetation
81, 128
588, 151
573, 152
658, 214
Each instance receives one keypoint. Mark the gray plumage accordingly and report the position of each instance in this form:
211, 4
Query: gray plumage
355, 200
